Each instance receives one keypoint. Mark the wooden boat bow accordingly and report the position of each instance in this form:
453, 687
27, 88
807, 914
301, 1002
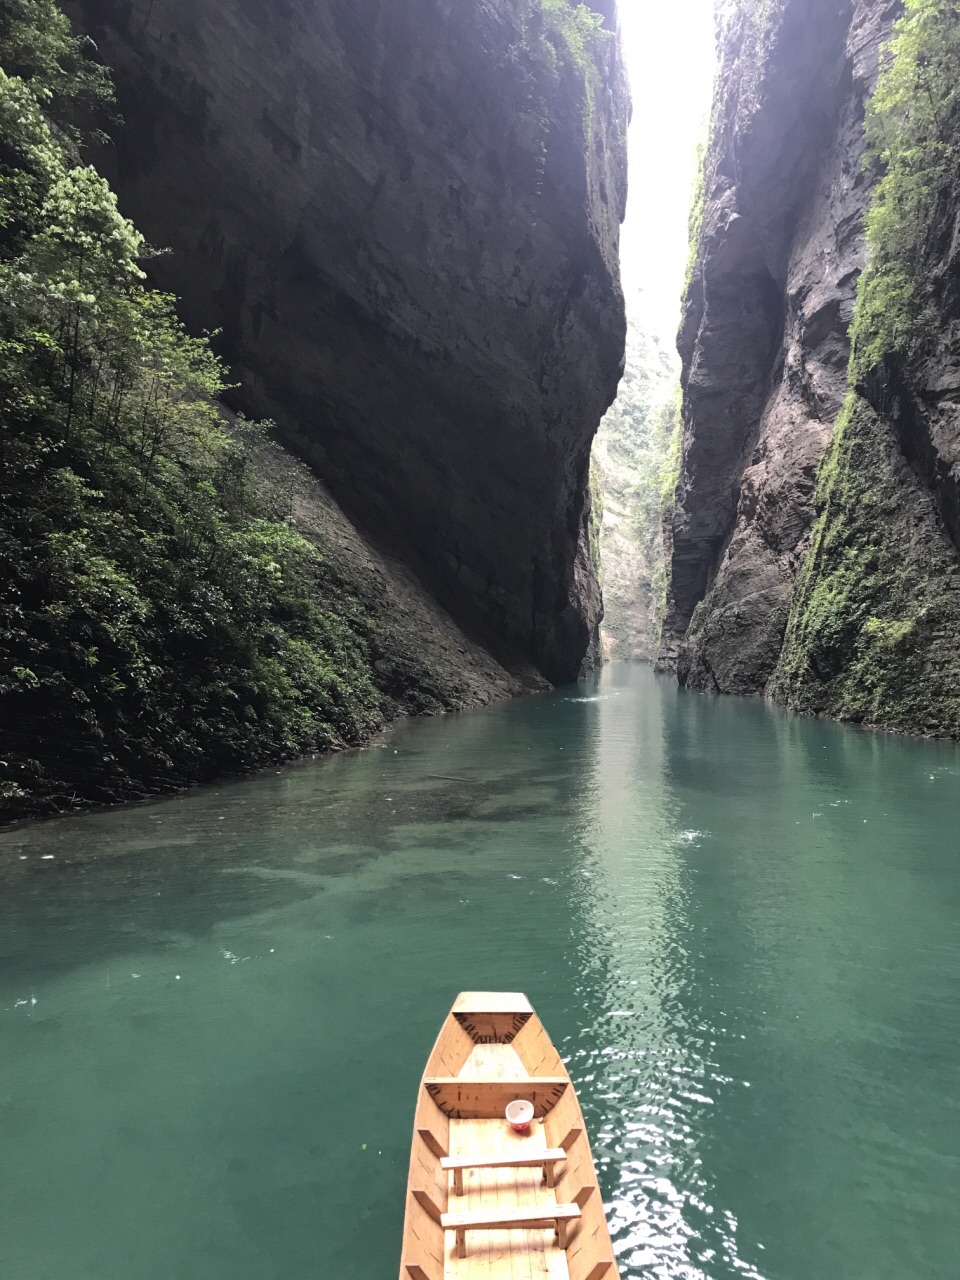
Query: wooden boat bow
482, 1199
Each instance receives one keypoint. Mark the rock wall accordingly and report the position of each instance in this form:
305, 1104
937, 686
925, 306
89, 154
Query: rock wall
874, 624
403, 217
875, 620
764, 338
423, 664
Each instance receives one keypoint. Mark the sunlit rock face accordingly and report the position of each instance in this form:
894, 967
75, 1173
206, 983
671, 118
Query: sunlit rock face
764, 333
403, 216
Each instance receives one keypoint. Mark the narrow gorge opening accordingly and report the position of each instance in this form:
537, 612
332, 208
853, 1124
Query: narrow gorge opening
670, 52
393, 237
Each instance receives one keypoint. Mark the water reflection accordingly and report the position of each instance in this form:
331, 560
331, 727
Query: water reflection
741, 929
645, 1062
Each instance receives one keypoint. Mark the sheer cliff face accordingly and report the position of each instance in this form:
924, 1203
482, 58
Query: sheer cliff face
875, 619
764, 334
403, 215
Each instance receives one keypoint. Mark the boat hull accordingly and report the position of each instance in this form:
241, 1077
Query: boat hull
482, 1198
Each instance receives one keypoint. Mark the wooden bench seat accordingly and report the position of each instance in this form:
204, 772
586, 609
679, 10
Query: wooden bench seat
546, 1157
532, 1217
467, 1098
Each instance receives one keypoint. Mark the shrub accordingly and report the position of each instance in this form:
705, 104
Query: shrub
155, 626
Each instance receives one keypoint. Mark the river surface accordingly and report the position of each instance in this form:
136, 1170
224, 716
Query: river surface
741, 929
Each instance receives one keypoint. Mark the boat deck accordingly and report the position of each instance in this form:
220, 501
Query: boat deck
500, 1255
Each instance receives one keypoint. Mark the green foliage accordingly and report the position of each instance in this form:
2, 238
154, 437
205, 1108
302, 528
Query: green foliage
596, 520
638, 450
659, 468
912, 133
577, 34
873, 627
871, 635
668, 477
580, 28
887, 634
668, 473
698, 203
38, 49
155, 626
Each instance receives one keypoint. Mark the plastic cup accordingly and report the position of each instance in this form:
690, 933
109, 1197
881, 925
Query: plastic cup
519, 1114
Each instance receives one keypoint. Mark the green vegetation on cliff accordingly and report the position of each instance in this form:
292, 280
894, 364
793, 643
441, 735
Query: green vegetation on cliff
577, 25
574, 34
156, 624
912, 129
636, 460
875, 623
698, 204
873, 632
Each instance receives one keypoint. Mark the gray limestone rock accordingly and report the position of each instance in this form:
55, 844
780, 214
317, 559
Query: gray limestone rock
403, 217
764, 333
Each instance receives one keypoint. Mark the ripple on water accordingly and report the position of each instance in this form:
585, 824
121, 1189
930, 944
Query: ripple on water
214, 1011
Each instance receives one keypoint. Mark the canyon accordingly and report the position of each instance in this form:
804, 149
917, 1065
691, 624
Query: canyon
813, 543
763, 338
402, 220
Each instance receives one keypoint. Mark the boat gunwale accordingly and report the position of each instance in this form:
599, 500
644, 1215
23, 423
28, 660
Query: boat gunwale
590, 1252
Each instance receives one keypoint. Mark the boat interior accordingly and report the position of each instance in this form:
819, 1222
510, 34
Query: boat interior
484, 1200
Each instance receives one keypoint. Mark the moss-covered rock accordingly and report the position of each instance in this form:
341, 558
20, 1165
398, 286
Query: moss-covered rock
874, 629
873, 632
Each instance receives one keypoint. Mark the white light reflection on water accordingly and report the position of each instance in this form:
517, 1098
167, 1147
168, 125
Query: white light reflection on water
641, 1057
760, 1010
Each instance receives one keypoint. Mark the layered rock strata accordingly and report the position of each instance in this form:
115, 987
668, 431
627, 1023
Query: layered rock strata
764, 338
402, 216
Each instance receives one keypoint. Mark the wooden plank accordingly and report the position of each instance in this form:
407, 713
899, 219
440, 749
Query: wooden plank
518, 1160
492, 1002
450, 1051
492, 1062
493, 1028
516, 1254
503, 1218
513, 1219
479, 1189
535, 1047
432, 1143
466, 1099
427, 1202
571, 1136
543, 1160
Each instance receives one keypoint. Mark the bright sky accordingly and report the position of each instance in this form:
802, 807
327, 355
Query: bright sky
670, 57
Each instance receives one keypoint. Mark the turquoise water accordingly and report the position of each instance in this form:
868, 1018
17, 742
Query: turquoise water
741, 929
